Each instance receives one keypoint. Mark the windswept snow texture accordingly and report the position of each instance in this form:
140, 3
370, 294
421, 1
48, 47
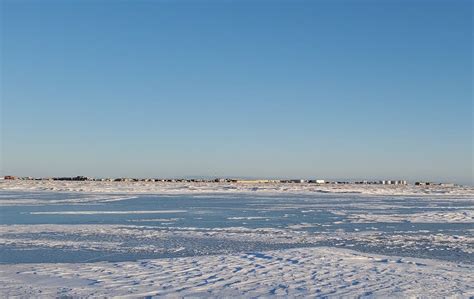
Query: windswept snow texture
153, 239
294, 272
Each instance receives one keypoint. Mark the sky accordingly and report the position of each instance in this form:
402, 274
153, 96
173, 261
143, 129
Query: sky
276, 89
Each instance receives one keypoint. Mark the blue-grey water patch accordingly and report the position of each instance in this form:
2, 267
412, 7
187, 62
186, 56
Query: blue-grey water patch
184, 225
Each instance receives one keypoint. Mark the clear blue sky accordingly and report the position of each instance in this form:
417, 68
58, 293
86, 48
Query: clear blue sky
324, 89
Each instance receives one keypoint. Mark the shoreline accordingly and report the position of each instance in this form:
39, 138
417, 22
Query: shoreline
229, 188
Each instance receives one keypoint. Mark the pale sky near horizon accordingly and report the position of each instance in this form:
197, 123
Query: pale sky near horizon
278, 89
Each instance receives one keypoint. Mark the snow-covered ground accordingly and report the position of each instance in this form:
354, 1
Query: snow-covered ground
294, 272
196, 188
217, 239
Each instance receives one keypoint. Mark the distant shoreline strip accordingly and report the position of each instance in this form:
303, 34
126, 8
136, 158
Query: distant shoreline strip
107, 212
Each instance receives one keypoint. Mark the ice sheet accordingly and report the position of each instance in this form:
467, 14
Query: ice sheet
220, 239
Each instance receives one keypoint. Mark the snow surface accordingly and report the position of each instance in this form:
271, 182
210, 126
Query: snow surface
294, 272
286, 240
231, 188
123, 238
462, 216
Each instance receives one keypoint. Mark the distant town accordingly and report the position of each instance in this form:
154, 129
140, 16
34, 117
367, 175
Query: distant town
230, 180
